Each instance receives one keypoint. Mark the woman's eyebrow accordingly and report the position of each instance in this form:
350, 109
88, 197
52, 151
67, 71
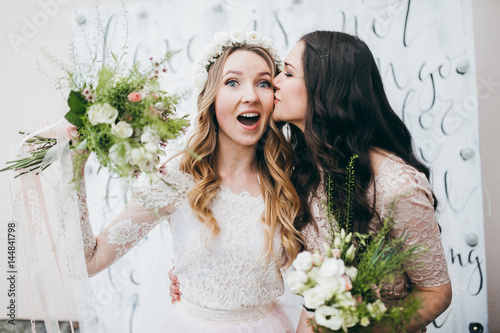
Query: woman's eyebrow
233, 72
288, 64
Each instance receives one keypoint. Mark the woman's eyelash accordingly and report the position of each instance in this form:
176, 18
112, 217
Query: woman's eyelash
229, 82
267, 83
288, 74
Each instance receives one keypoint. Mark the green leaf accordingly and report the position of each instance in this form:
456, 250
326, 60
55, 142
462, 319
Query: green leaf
77, 102
74, 118
82, 145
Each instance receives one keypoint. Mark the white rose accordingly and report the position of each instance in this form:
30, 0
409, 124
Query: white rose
314, 274
210, 51
314, 298
237, 36
331, 284
350, 318
376, 308
328, 317
144, 159
332, 267
345, 299
122, 130
296, 281
304, 261
221, 38
351, 272
102, 114
151, 147
253, 38
365, 321
199, 76
150, 135
266, 42
119, 154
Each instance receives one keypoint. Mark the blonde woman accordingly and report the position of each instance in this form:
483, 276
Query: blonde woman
229, 201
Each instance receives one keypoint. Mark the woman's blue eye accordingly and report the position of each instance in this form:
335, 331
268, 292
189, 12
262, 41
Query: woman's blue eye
264, 84
232, 83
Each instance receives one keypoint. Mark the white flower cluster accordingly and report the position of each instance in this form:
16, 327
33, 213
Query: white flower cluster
222, 41
325, 282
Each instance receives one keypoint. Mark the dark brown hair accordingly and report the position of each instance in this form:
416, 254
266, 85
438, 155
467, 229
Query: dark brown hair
347, 113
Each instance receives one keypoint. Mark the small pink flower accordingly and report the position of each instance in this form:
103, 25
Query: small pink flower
336, 253
134, 97
348, 282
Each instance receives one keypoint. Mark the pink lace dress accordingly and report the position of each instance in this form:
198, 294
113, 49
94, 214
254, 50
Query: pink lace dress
414, 213
227, 284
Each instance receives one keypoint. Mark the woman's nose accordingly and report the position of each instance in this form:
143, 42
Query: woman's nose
277, 81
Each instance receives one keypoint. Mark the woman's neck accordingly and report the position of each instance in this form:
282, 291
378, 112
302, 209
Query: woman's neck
237, 168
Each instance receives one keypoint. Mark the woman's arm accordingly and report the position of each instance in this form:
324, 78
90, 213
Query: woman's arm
118, 237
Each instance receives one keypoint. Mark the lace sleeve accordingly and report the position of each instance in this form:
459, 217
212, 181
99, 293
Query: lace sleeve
414, 215
150, 205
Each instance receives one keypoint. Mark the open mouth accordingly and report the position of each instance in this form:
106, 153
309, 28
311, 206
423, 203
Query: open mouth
249, 119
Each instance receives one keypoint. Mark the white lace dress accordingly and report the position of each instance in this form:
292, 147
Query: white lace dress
226, 282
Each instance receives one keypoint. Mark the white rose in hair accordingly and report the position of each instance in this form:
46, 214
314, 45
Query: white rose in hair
221, 38
237, 36
210, 51
102, 114
332, 267
304, 261
151, 147
253, 38
122, 130
266, 42
199, 76
150, 135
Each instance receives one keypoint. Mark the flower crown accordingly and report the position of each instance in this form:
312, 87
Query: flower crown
220, 43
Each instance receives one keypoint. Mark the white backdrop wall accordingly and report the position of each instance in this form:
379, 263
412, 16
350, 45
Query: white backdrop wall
420, 47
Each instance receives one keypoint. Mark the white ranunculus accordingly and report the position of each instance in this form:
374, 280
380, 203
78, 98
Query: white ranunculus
332, 267
119, 154
253, 38
144, 159
122, 130
329, 317
149, 134
296, 281
221, 38
304, 261
314, 297
237, 36
266, 42
102, 114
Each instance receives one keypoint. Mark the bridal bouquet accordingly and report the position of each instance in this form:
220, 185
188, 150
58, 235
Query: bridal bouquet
343, 285
121, 116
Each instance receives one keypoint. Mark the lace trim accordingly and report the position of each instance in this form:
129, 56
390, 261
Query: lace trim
225, 317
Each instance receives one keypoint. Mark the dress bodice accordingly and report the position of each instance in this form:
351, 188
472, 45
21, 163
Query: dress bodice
229, 270
413, 214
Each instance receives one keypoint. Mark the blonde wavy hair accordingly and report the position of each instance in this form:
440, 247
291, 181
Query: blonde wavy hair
274, 158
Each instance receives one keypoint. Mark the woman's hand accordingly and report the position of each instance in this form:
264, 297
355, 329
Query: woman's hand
175, 292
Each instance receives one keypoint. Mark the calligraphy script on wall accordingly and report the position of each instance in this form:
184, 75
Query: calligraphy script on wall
425, 53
